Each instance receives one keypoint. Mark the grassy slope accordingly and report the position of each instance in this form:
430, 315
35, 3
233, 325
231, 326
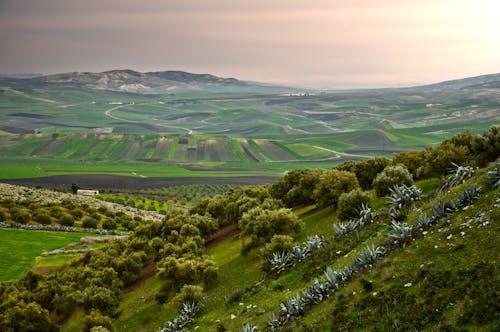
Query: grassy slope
353, 307
22, 247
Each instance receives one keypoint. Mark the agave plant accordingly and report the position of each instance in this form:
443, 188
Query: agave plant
367, 257
439, 210
402, 195
293, 307
189, 309
314, 242
493, 178
344, 228
186, 314
423, 222
274, 322
318, 291
250, 328
365, 214
472, 192
280, 260
332, 279
458, 174
172, 326
298, 254
401, 232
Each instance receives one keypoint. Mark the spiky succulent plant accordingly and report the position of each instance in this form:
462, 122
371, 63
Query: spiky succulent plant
472, 192
400, 232
366, 214
458, 174
422, 223
402, 195
369, 255
314, 242
280, 260
250, 328
343, 228
493, 178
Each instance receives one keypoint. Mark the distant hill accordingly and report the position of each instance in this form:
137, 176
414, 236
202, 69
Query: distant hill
161, 82
483, 81
21, 75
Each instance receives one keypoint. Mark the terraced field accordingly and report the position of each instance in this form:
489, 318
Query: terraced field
54, 128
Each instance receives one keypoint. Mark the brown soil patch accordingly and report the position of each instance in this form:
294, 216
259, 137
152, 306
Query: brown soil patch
147, 272
222, 234
107, 182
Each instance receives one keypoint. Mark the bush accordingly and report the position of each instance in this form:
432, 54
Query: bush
390, 176
66, 220
21, 216
42, 217
332, 184
349, 204
89, 222
278, 243
262, 224
55, 211
189, 293
96, 319
109, 224
76, 213
3, 215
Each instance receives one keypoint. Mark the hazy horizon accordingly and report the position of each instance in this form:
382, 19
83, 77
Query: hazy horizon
337, 44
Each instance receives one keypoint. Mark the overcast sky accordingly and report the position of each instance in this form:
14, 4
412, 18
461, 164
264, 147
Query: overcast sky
315, 43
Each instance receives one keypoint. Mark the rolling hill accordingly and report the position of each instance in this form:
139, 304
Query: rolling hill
173, 120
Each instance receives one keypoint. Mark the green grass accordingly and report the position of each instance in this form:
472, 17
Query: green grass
19, 249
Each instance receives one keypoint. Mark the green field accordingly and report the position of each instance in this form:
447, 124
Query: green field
61, 129
21, 247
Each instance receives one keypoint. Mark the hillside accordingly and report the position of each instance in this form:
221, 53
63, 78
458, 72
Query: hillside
362, 246
84, 122
130, 81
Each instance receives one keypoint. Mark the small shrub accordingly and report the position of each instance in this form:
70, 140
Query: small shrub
349, 204
391, 176
89, 222
42, 217
55, 211
279, 243
21, 216
109, 224
77, 213
95, 319
189, 293
66, 220
3, 215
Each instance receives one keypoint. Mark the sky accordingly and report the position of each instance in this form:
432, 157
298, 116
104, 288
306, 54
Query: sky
309, 43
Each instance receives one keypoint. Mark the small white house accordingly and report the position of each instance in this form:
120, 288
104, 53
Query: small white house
87, 192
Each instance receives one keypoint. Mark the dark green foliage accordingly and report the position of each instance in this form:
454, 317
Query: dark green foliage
29, 317
77, 213
332, 184
21, 216
89, 222
42, 217
349, 204
261, 224
296, 187
95, 319
279, 243
67, 220
189, 293
390, 176
109, 224
3, 215
178, 272
366, 170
